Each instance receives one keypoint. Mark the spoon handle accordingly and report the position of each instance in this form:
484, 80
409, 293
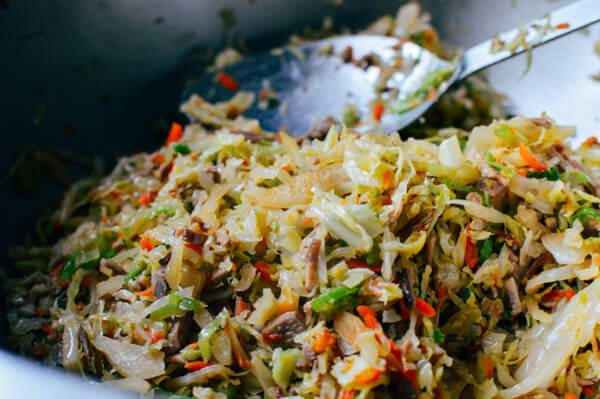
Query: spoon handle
535, 33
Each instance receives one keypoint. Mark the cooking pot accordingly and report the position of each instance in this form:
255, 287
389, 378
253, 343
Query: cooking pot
94, 78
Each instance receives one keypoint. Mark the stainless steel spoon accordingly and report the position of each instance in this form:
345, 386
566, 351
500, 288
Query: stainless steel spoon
313, 81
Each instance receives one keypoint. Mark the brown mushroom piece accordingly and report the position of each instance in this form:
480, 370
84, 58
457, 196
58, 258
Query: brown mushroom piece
283, 328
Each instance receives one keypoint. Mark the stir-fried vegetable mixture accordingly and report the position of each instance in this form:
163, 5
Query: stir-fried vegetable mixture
237, 263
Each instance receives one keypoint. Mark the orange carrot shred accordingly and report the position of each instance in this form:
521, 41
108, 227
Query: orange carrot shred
146, 292
175, 133
471, 253
488, 366
530, 158
425, 308
368, 316
323, 340
590, 141
346, 394
571, 395
388, 179
368, 376
197, 365
378, 111
146, 243
563, 25
158, 158
147, 197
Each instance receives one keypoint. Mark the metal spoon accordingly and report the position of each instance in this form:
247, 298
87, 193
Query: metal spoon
313, 81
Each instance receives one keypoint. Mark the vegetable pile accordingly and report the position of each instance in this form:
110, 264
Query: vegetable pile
233, 263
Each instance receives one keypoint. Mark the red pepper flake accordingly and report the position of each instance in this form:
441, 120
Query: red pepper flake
378, 111
425, 308
227, 81
563, 25
147, 197
193, 247
361, 264
368, 316
264, 270
175, 133
198, 365
49, 330
346, 394
146, 242
471, 253
588, 390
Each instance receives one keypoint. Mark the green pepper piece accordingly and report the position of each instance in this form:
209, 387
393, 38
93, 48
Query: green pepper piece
335, 299
591, 212
135, 272
438, 336
464, 188
550, 174
183, 149
486, 247
170, 308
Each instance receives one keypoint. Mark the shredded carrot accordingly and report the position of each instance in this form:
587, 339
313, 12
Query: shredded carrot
49, 330
368, 316
192, 346
530, 158
368, 376
563, 25
198, 365
158, 158
240, 306
323, 340
471, 253
308, 221
346, 394
378, 111
588, 390
227, 81
425, 308
388, 179
146, 292
488, 366
411, 375
571, 395
394, 358
264, 270
286, 168
147, 197
155, 335
146, 242
590, 141
233, 267
557, 295
173, 192
175, 133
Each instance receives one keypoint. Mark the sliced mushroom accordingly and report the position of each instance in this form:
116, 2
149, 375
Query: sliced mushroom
177, 335
284, 328
513, 296
194, 238
160, 287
